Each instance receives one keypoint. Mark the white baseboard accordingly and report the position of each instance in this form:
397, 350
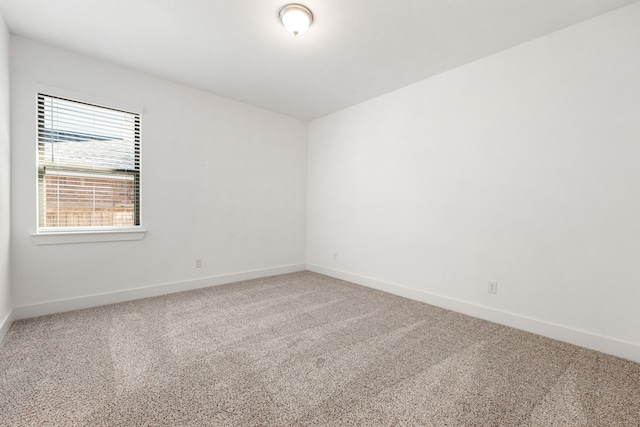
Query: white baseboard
577, 337
5, 324
59, 306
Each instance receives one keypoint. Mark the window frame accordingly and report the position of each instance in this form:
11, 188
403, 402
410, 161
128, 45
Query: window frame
64, 235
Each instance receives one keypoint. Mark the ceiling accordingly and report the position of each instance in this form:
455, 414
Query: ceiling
354, 51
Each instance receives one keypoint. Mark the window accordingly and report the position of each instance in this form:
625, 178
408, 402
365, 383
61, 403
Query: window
88, 166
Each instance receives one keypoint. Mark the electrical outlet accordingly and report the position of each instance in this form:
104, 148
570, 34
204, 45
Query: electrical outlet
493, 287
198, 262
335, 256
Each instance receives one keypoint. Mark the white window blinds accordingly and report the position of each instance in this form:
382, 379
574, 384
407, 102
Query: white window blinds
88, 166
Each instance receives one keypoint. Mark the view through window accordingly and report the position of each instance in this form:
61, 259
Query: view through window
88, 166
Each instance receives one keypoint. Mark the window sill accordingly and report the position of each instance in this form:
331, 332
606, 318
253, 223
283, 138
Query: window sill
63, 238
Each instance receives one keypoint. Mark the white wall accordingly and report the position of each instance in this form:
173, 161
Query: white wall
5, 300
222, 181
521, 167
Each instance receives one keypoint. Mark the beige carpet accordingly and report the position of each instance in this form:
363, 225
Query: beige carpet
301, 349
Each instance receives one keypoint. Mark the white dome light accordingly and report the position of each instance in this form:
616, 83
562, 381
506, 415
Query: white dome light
296, 18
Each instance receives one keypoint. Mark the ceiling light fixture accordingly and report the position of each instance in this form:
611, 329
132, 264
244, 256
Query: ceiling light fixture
296, 18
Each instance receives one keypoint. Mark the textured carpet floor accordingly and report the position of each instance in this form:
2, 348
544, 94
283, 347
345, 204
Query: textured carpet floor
301, 349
